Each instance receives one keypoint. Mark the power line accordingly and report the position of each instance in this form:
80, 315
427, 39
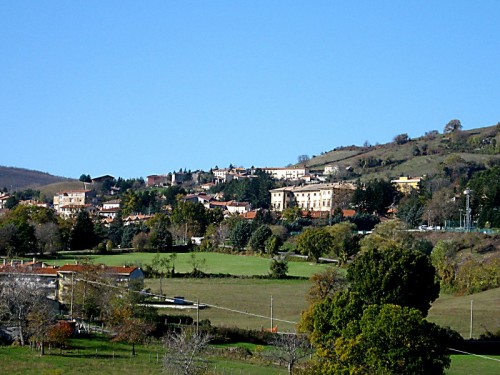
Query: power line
193, 302
475, 355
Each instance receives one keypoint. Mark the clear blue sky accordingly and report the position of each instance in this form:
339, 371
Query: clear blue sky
132, 88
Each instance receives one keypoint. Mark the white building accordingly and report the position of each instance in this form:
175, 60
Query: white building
316, 197
68, 203
292, 173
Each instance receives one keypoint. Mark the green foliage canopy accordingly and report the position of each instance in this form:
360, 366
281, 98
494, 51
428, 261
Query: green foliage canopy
402, 277
315, 242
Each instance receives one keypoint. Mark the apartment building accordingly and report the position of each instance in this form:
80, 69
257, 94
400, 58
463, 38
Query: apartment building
69, 203
314, 197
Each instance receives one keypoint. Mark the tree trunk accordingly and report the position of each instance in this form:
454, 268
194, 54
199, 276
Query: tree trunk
133, 348
21, 335
42, 348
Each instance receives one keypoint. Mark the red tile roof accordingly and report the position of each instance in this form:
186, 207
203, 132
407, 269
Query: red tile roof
348, 213
114, 270
250, 215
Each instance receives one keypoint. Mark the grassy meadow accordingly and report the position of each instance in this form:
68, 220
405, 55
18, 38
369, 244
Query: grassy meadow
245, 295
234, 302
99, 356
254, 295
455, 312
244, 265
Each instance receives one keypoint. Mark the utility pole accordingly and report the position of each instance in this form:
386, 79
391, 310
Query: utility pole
71, 303
471, 318
197, 316
271, 313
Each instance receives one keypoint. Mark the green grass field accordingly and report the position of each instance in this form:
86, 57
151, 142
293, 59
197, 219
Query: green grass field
99, 356
254, 295
246, 295
214, 263
455, 312
469, 365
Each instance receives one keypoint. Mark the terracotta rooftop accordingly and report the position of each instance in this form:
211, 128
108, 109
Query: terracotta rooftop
113, 270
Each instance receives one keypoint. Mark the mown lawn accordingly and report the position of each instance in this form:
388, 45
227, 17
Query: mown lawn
251, 296
244, 265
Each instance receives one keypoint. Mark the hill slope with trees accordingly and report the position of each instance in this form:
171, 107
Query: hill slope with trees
425, 155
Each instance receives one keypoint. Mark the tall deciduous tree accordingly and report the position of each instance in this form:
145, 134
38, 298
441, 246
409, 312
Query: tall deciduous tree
411, 210
486, 197
391, 339
192, 217
240, 234
388, 235
184, 353
259, 237
20, 299
315, 242
289, 349
325, 284
402, 277
345, 241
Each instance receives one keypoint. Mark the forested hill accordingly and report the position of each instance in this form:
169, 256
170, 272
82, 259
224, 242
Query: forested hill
16, 179
428, 155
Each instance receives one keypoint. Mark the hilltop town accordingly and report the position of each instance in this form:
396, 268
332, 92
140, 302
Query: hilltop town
428, 207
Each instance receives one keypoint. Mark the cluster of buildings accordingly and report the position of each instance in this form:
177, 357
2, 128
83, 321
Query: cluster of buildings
58, 282
308, 191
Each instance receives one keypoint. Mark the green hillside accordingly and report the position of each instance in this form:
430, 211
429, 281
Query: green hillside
425, 155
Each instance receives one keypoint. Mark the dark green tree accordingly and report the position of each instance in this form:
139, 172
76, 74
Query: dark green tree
85, 178
83, 234
402, 277
259, 237
391, 339
160, 238
375, 196
172, 193
240, 234
278, 268
115, 231
485, 187
411, 209
129, 232
11, 202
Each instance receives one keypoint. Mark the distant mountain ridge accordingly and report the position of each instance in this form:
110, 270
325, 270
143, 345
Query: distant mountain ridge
16, 179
